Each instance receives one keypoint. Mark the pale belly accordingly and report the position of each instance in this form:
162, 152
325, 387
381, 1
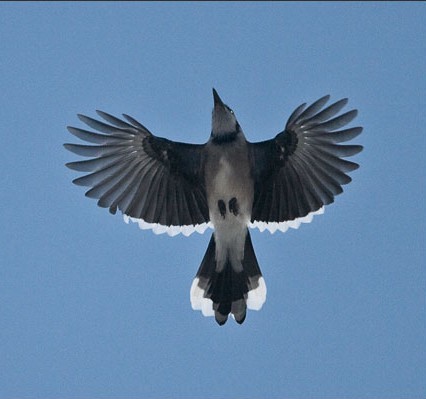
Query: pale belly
227, 184
230, 199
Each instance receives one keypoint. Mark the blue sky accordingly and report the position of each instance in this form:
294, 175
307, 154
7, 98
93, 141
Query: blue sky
92, 307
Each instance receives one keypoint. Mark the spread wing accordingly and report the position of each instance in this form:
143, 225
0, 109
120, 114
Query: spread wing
302, 168
153, 181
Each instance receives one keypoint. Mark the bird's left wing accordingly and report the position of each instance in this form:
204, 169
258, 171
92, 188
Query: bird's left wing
301, 169
153, 181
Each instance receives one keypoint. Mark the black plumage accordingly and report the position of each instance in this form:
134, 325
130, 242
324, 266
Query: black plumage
159, 182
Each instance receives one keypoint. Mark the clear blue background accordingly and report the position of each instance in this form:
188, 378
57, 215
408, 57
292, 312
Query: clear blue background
92, 307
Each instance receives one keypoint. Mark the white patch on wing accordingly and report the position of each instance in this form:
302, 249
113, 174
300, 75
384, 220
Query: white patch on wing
170, 230
198, 302
272, 227
257, 297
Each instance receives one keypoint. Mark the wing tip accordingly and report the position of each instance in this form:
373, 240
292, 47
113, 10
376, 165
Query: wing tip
73, 166
171, 230
283, 226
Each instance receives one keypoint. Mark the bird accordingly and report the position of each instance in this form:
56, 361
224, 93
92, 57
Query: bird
228, 184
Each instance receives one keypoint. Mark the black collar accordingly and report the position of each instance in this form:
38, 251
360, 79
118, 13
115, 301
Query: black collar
224, 138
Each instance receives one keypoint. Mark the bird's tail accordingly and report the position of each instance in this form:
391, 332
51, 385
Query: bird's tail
227, 291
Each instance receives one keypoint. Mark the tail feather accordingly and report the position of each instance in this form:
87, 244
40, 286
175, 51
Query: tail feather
221, 293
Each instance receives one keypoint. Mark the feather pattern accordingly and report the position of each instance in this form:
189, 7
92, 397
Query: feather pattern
301, 169
150, 179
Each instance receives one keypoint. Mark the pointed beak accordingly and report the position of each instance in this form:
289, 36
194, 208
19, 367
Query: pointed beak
216, 98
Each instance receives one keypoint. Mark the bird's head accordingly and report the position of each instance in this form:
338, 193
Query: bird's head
225, 126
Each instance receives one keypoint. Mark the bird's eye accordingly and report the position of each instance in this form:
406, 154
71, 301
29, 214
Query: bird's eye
229, 109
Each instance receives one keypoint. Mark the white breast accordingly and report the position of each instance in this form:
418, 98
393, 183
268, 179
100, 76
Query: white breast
228, 176
225, 181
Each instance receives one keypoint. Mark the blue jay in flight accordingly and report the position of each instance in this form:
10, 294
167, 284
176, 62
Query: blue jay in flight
228, 184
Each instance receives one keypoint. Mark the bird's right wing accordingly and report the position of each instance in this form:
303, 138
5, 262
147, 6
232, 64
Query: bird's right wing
301, 169
153, 181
